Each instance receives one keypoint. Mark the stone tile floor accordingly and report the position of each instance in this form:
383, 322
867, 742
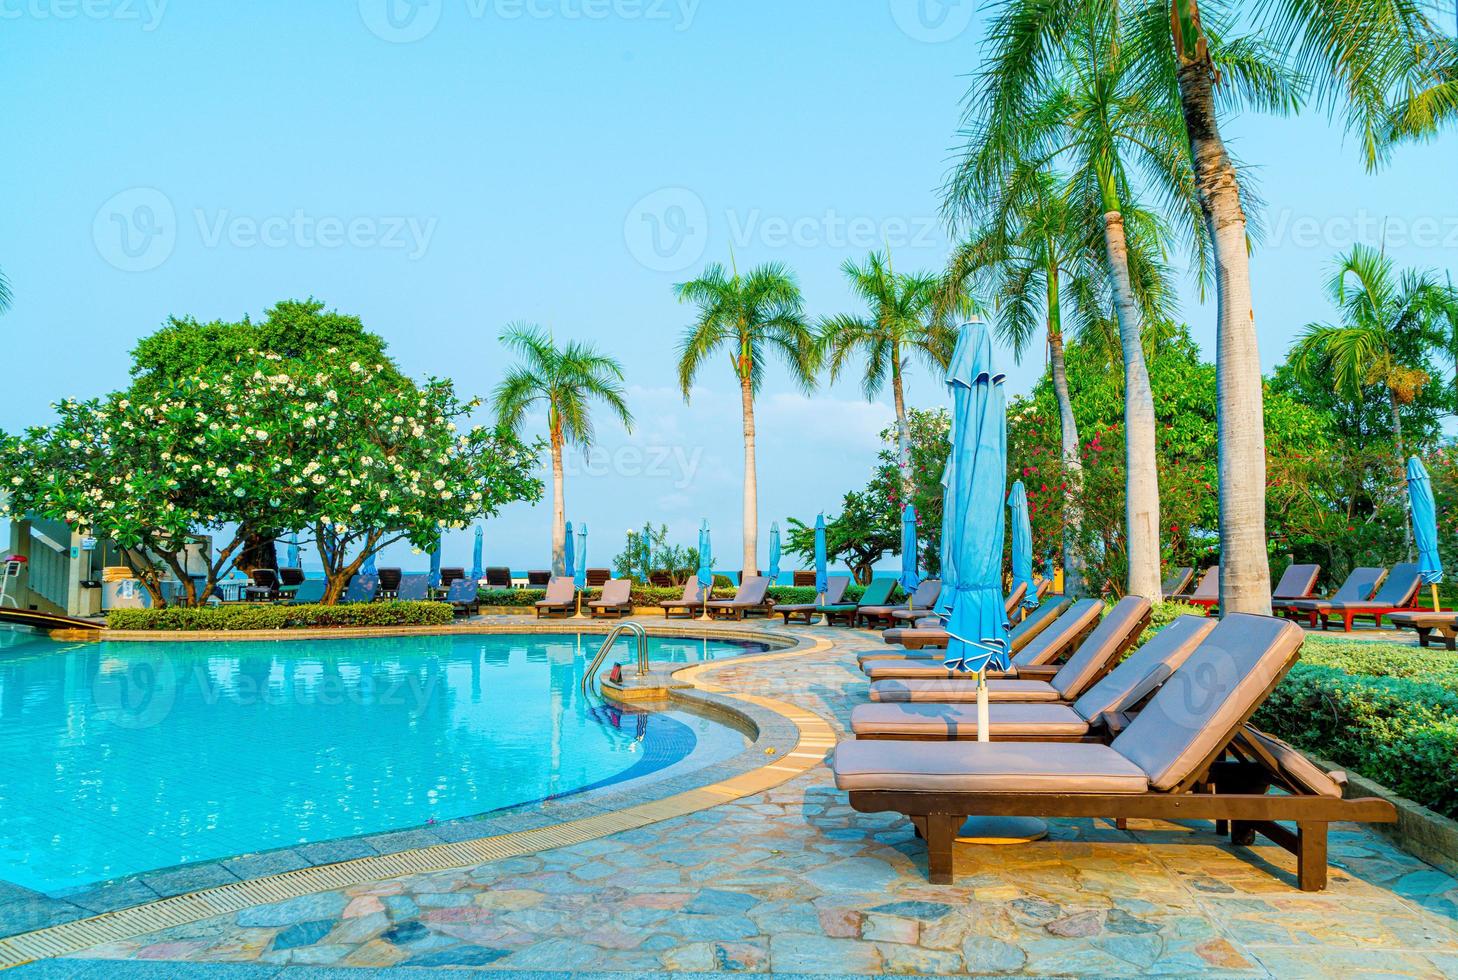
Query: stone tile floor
794, 881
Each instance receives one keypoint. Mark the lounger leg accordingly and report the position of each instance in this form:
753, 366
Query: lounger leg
1121, 823
1347, 621
1311, 855
941, 834
1242, 833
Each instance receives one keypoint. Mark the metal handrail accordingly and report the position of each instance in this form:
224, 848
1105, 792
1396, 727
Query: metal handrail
638, 632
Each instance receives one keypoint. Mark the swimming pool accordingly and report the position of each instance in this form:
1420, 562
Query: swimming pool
120, 758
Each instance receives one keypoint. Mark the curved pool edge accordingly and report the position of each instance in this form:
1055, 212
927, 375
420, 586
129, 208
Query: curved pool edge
676, 629
793, 739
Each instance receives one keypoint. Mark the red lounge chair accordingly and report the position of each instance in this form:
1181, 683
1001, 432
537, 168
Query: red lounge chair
1398, 593
1178, 581
1207, 593
1359, 587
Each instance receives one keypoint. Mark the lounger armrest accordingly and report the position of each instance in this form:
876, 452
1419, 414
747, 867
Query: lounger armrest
1113, 722
1038, 672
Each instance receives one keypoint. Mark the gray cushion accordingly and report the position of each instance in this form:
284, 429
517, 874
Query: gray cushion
962, 688
1036, 622
985, 767
1055, 642
1103, 643
1296, 582
960, 720
1146, 668
1195, 711
1294, 765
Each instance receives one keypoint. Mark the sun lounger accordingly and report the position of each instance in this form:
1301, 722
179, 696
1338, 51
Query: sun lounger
690, 605
264, 587
1207, 593
920, 603
538, 579
598, 577
450, 575
389, 580
1186, 756
464, 595
363, 588
1091, 651
924, 680
290, 579
1430, 627
1359, 587
803, 580
561, 597
1179, 580
616, 599
915, 644
1015, 599
413, 588
1045, 589
1297, 582
878, 593
1399, 592
805, 612
1088, 717
498, 578
750, 595
309, 592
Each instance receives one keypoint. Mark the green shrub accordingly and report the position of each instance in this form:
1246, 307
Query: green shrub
1165, 613
226, 618
1400, 732
1383, 660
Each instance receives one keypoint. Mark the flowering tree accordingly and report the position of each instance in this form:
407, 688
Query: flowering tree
360, 455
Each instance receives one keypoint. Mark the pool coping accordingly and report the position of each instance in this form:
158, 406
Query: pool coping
794, 739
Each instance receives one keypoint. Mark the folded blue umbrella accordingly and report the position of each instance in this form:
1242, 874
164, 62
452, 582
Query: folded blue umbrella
706, 559
948, 544
822, 572
974, 526
910, 572
478, 570
774, 558
294, 559
1022, 545
569, 562
434, 579
1424, 525
579, 576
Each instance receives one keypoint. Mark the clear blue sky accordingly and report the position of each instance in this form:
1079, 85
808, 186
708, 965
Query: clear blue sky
444, 167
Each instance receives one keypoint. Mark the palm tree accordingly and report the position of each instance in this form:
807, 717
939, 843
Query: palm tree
4, 293
904, 319
1119, 138
748, 316
1383, 61
1384, 318
566, 380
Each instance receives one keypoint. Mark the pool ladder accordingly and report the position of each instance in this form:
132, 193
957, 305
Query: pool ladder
638, 632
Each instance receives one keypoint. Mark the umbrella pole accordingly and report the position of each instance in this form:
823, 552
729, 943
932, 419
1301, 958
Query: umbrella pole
997, 830
1436, 607
708, 594
579, 606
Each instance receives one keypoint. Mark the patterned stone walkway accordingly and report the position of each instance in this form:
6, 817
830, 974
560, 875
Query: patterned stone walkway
794, 881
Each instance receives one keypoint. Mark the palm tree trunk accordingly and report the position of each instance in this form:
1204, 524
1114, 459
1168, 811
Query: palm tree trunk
1245, 572
1142, 497
559, 509
903, 428
751, 479
1068, 430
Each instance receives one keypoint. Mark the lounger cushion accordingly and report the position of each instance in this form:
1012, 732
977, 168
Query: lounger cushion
895, 636
1146, 668
896, 668
1102, 644
960, 720
1297, 582
1198, 708
985, 767
960, 690
1426, 620
1359, 585
1296, 765
898, 654
880, 611
1054, 642
1036, 622
1209, 587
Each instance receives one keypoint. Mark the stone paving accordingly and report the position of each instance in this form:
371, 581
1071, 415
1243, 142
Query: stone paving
794, 881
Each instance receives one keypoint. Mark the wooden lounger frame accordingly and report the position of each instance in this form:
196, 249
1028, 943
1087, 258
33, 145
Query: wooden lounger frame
1235, 797
1439, 628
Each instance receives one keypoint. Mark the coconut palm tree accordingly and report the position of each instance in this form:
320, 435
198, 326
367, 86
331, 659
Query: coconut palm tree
904, 320
1385, 317
4, 292
566, 380
1119, 138
748, 317
1383, 62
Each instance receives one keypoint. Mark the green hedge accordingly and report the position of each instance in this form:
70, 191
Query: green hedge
1398, 731
648, 596
283, 617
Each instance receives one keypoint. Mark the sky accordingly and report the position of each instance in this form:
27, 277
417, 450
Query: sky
443, 168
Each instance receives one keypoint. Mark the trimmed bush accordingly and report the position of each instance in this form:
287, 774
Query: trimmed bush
1400, 732
229, 618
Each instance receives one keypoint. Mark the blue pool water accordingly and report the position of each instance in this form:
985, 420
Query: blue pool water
119, 758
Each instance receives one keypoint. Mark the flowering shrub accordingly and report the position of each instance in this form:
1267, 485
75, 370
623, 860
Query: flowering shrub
355, 452
231, 618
